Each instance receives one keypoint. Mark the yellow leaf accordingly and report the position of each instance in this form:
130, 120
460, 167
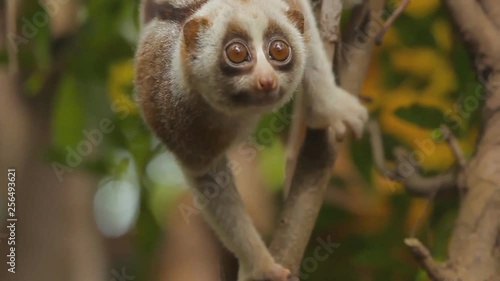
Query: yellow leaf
429, 153
416, 212
392, 124
441, 30
421, 8
384, 185
372, 86
391, 38
120, 85
430, 66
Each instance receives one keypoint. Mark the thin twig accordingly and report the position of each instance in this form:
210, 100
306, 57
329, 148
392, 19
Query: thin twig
436, 271
455, 147
390, 21
412, 180
378, 150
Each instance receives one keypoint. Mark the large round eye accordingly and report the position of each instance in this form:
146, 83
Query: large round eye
279, 50
237, 52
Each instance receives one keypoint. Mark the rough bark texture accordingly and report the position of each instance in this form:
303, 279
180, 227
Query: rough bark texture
317, 154
474, 250
304, 201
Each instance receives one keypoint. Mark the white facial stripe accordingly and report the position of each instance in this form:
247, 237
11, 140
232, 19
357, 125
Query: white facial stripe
263, 65
253, 18
256, 24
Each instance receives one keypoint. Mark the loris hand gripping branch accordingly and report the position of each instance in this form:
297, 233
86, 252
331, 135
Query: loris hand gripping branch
206, 70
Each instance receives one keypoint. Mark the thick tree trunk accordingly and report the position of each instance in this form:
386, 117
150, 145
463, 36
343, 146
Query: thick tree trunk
475, 244
56, 238
474, 250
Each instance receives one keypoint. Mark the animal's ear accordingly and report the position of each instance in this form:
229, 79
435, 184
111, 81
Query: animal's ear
192, 31
297, 18
148, 10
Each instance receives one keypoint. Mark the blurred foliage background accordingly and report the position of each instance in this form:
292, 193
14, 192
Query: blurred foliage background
419, 79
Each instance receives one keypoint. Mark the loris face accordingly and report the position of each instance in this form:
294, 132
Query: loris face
244, 57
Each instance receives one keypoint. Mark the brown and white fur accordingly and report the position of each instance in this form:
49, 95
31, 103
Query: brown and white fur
199, 105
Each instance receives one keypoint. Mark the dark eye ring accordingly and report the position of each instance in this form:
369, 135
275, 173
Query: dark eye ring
279, 50
237, 52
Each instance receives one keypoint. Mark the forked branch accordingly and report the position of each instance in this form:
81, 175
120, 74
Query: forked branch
405, 171
317, 155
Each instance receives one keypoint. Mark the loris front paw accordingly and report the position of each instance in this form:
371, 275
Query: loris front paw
338, 111
274, 272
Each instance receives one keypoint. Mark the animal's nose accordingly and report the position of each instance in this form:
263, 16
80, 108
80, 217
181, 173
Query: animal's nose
267, 83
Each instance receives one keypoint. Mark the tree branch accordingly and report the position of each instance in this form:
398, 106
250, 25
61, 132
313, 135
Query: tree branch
295, 140
474, 249
492, 9
312, 171
455, 147
312, 174
414, 182
329, 20
356, 50
302, 205
435, 271
478, 31
391, 20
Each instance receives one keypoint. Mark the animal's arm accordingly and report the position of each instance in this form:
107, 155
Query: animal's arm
327, 103
223, 209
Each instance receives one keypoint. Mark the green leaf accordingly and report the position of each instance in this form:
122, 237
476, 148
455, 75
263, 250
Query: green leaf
4, 57
424, 116
69, 115
34, 83
274, 125
362, 156
42, 42
272, 164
